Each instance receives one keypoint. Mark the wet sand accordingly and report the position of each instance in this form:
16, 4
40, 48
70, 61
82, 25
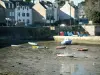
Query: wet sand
24, 60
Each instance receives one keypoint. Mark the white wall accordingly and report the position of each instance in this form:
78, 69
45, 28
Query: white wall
65, 11
23, 17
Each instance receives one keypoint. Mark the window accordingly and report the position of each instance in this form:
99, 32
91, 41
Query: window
18, 8
17, 3
23, 14
10, 13
9, 5
27, 14
23, 8
19, 20
12, 6
18, 14
23, 20
28, 21
27, 8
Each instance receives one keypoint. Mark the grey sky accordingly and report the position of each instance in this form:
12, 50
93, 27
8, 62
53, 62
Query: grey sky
77, 1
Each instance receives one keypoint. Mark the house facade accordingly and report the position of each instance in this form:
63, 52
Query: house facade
23, 13
10, 13
46, 12
2, 13
81, 13
52, 13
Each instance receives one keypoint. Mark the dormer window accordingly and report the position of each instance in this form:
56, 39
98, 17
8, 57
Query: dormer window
17, 3
18, 8
9, 5
27, 8
23, 7
12, 6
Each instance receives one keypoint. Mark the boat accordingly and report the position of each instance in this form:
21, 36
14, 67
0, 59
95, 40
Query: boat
39, 47
15, 45
66, 42
82, 49
32, 43
60, 47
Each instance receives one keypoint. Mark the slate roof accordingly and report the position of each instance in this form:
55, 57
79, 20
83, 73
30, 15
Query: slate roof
2, 4
6, 3
46, 4
21, 3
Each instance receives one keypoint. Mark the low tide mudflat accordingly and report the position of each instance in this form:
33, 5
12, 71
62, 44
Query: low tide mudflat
24, 60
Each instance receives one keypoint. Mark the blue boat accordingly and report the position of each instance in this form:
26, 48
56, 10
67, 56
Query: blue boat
66, 42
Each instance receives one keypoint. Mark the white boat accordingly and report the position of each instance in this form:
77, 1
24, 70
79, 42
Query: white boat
32, 43
15, 45
66, 42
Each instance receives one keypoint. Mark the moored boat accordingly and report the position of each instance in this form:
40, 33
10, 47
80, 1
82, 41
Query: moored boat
32, 43
66, 42
39, 47
82, 49
60, 47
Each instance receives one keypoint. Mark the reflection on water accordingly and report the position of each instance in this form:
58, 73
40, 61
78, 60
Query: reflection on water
80, 70
71, 69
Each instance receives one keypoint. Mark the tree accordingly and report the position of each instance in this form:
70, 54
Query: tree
92, 10
28, 0
61, 2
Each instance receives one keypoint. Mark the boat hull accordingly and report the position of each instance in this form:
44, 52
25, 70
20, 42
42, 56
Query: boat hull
66, 42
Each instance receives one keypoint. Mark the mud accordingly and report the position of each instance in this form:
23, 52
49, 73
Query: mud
27, 61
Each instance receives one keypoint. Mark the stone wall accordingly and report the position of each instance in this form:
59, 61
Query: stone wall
20, 34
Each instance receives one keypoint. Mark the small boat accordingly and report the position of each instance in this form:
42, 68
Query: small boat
39, 47
32, 43
66, 42
82, 49
60, 47
15, 45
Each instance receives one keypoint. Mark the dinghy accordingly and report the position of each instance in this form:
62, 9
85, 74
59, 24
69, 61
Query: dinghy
39, 47
15, 45
60, 47
82, 49
32, 43
66, 42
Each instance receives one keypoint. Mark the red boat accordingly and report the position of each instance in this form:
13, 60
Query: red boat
60, 47
83, 49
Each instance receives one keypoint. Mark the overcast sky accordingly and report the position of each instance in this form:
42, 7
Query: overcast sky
77, 1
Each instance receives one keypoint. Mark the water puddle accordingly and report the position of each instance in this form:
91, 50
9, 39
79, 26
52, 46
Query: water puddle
73, 69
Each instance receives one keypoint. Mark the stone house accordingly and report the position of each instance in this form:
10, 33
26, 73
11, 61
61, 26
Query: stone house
10, 13
2, 13
44, 13
23, 13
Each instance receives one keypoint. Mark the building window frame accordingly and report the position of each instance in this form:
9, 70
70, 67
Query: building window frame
28, 21
23, 14
27, 14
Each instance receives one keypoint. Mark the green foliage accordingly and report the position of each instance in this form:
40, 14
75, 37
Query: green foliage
95, 17
92, 10
61, 2
28, 0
